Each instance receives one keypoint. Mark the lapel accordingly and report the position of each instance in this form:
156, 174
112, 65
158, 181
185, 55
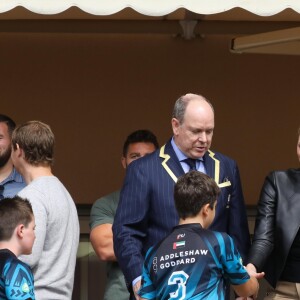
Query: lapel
213, 168
288, 202
173, 167
209, 164
170, 161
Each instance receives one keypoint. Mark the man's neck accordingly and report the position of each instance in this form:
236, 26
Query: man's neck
6, 170
31, 172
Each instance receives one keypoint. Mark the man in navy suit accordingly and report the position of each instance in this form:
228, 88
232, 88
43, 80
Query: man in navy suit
146, 211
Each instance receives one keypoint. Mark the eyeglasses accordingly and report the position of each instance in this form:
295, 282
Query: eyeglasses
1, 191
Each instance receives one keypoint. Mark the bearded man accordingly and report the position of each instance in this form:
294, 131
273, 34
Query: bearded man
11, 182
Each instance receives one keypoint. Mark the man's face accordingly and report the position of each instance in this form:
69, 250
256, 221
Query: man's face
194, 136
136, 151
298, 148
5, 144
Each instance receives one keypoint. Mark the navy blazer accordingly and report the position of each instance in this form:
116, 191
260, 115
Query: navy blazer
146, 212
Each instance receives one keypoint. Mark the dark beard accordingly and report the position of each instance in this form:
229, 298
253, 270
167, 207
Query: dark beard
4, 157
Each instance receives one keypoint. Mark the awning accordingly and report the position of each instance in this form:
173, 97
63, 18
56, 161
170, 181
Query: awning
152, 7
191, 15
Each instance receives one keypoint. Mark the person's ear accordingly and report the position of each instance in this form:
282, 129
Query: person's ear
123, 162
175, 125
18, 150
20, 230
206, 209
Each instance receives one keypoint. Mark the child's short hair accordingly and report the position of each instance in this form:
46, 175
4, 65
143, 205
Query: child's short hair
192, 191
13, 211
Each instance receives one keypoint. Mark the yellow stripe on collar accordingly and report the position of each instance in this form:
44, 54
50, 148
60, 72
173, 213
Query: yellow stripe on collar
164, 163
166, 157
217, 171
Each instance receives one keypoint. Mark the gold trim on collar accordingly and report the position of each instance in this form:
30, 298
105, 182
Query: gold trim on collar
211, 154
164, 163
217, 171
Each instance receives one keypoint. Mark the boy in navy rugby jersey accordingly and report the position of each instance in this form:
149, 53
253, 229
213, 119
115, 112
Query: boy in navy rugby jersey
194, 262
16, 237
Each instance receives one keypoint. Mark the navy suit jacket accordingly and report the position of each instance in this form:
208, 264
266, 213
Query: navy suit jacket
146, 211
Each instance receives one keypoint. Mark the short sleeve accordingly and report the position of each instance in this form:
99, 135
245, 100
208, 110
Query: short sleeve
104, 209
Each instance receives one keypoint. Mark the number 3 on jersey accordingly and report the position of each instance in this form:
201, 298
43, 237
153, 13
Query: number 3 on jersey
180, 278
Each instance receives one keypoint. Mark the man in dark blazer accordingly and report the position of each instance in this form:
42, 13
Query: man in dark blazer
146, 211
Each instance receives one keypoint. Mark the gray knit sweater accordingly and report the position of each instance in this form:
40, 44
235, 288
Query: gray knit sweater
53, 257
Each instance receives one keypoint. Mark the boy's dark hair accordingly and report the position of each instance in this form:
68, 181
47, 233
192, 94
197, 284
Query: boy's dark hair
192, 191
13, 211
140, 136
9, 122
37, 140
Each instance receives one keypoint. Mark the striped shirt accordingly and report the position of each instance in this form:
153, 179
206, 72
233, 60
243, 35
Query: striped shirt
192, 263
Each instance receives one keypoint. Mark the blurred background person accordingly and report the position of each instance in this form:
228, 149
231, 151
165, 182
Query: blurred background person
138, 144
11, 182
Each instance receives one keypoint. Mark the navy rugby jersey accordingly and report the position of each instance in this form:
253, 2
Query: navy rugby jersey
16, 279
192, 263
